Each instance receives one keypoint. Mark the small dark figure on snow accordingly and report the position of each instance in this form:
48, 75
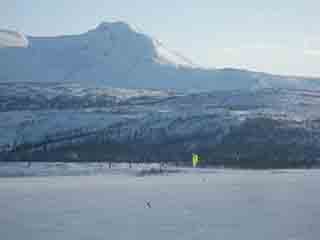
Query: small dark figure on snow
148, 204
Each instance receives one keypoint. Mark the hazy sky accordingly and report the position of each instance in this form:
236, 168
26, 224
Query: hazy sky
278, 36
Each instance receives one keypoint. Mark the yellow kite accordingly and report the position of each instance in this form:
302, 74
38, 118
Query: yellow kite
195, 159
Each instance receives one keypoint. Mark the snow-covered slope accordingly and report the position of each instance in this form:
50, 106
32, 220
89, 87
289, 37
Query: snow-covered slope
71, 122
115, 55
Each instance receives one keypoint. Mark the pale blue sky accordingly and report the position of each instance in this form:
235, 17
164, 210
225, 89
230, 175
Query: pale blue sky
274, 36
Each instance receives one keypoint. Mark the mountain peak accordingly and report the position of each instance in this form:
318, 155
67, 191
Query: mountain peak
9, 38
142, 45
119, 25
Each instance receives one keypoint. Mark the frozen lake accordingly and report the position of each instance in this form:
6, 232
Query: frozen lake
211, 204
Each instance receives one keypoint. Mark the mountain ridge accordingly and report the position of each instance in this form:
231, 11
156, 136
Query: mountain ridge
115, 54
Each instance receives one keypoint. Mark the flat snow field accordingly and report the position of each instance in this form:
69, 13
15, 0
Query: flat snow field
197, 204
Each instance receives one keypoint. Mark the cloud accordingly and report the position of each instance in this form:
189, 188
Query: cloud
312, 46
251, 48
312, 52
306, 49
312, 42
12, 39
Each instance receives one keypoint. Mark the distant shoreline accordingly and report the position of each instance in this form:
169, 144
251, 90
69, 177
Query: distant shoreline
48, 169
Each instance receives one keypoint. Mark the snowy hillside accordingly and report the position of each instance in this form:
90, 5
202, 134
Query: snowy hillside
77, 123
115, 55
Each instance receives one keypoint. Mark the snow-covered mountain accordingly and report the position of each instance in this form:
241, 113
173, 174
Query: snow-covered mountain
115, 94
115, 55
12, 39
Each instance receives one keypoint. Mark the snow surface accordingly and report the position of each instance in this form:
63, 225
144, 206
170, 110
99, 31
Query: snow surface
200, 204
